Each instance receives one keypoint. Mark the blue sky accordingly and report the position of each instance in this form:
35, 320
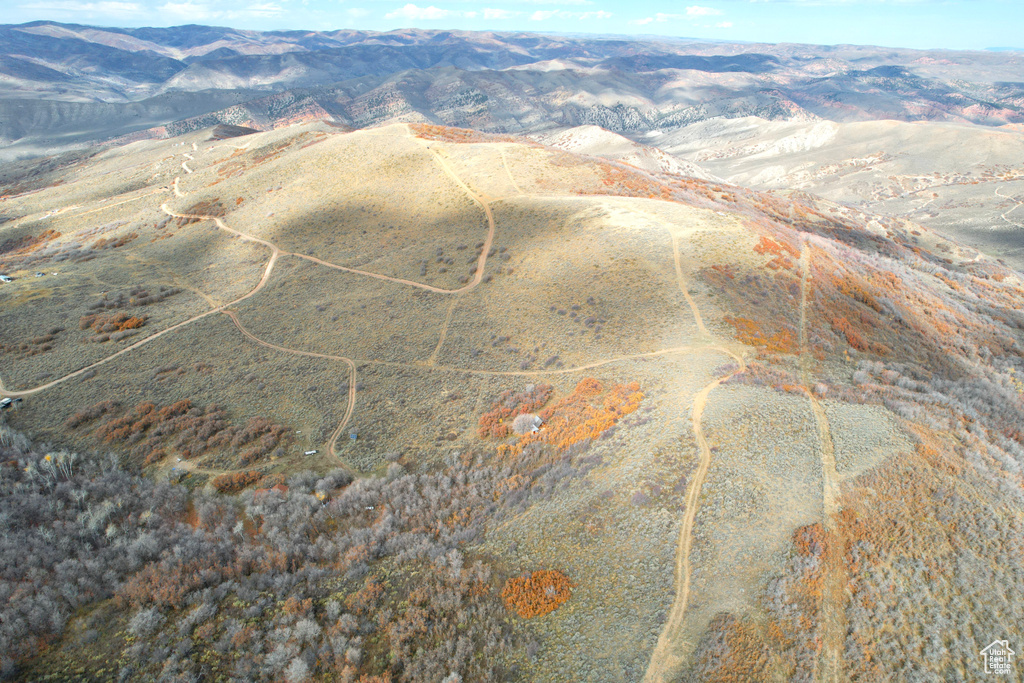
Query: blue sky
954, 24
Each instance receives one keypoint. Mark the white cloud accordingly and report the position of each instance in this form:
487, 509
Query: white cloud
691, 14
414, 13
698, 11
87, 7
189, 10
266, 9
543, 15
500, 14
357, 12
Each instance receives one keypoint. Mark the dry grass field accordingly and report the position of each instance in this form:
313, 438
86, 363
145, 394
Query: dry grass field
778, 438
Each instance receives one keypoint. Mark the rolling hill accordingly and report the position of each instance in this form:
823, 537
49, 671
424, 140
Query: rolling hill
777, 436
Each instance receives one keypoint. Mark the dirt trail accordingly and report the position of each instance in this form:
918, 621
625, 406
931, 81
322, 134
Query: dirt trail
268, 269
481, 261
177, 190
508, 171
680, 279
832, 613
332, 442
184, 166
664, 659
444, 331
1017, 205
110, 206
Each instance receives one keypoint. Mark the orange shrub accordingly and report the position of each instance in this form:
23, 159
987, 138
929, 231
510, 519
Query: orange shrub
574, 418
751, 334
496, 421
537, 594
103, 323
233, 482
428, 131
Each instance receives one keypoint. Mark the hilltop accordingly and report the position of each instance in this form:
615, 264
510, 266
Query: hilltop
764, 418
930, 136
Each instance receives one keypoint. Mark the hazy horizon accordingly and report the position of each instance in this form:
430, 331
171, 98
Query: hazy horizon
918, 24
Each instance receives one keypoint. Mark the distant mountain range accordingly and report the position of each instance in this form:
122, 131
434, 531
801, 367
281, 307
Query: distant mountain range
67, 85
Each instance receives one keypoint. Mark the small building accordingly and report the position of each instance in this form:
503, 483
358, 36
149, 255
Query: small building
353, 435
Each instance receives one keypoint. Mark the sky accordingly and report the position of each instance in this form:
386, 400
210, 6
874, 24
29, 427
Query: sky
949, 24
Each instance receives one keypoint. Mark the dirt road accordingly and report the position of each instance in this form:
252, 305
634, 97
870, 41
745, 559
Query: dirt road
664, 660
349, 409
832, 613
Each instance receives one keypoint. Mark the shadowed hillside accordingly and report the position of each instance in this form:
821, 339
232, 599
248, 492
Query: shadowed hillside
418, 403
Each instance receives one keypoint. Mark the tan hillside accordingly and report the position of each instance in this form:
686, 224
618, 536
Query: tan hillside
761, 419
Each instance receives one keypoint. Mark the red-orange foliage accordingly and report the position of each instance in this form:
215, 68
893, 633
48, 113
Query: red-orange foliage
496, 421
190, 430
751, 334
739, 652
779, 250
580, 415
574, 419
233, 482
27, 243
726, 270
853, 337
428, 131
103, 323
857, 292
364, 600
537, 594
114, 242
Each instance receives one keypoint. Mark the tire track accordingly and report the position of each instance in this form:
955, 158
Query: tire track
349, 409
1017, 205
832, 610
444, 332
508, 171
664, 659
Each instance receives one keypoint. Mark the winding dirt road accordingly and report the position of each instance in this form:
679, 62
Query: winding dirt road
664, 659
1017, 205
349, 409
508, 171
832, 611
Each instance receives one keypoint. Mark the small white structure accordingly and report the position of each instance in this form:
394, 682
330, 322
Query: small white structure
526, 423
313, 452
6, 278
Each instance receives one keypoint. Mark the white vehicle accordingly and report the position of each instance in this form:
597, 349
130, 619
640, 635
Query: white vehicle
6, 278
311, 452
5, 403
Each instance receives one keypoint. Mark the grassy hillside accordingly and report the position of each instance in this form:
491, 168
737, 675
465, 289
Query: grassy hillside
778, 438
